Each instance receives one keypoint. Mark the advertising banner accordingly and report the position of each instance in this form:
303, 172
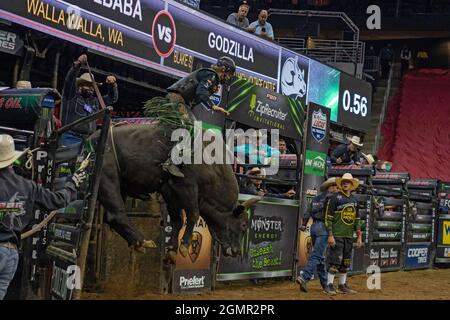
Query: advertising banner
60, 279
443, 239
444, 230
355, 102
386, 255
316, 149
21, 108
443, 253
162, 35
315, 163
174, 39
10, 42
261, 108
444, 205
192, 272
418, 256
269, 244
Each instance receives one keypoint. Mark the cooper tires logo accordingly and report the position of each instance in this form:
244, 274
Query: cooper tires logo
293, 82
164, 33
348, 215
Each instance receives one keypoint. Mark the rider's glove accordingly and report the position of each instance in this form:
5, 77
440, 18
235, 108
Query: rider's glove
79, 177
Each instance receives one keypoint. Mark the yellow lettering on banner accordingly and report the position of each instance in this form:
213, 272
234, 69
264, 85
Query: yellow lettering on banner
58, 16
115, 36
61, 19
258, 81
183, 59
41, 9
87, 27
32, 6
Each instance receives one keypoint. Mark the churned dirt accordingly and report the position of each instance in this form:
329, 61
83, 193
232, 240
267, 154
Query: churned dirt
418, 284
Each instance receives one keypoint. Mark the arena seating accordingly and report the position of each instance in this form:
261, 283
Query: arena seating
415, 132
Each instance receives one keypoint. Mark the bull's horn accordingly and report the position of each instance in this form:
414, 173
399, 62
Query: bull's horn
250, 202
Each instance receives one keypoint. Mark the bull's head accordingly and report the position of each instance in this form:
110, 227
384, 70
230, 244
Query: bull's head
231, 228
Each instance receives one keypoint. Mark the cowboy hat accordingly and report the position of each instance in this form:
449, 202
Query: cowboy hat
8, 153
330, 182
356, 141
369, 158
347, 177
22, 84
85, 77
254, 171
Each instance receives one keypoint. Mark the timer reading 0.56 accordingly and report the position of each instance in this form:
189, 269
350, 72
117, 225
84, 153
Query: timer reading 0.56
359, 105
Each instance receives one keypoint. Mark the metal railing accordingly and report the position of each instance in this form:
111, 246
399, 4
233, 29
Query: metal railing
292, 43
383, 112
371, 63
327, 50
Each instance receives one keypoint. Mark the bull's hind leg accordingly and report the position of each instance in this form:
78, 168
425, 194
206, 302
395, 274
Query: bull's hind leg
183, 194
176, 223
110, 197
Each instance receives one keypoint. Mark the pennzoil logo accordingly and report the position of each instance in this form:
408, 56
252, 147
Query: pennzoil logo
348, 215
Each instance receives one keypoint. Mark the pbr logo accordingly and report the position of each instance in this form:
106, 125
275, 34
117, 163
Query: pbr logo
319, 125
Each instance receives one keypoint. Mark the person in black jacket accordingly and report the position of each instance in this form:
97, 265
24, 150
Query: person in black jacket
319, 236
79, 101
197, 88
18, 196
347, 153
256, 187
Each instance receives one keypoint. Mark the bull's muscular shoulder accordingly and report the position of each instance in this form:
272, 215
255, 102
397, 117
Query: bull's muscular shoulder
218, 182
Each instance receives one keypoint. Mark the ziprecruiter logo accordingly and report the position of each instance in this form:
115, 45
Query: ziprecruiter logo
266, 114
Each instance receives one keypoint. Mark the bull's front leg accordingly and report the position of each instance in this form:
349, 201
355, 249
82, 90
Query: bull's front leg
192, 216
183, 194
176, 222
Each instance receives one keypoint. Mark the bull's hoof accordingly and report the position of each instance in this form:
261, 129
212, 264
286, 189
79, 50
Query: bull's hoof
145, 244
139, 249
184, 250
148, 244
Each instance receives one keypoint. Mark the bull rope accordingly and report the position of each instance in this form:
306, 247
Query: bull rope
39, 226
29, 164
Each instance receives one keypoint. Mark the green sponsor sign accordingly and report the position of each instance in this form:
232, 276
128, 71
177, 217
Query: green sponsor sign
315, 163
261, 108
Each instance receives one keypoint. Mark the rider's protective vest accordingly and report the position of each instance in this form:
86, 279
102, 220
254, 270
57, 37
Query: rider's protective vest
187, 87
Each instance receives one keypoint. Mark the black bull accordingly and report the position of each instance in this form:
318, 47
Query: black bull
210, 191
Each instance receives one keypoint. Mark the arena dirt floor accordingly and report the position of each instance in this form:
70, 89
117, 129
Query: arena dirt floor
433, 284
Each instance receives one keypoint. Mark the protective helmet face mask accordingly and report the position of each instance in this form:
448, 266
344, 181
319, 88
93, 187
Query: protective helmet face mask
226, 78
